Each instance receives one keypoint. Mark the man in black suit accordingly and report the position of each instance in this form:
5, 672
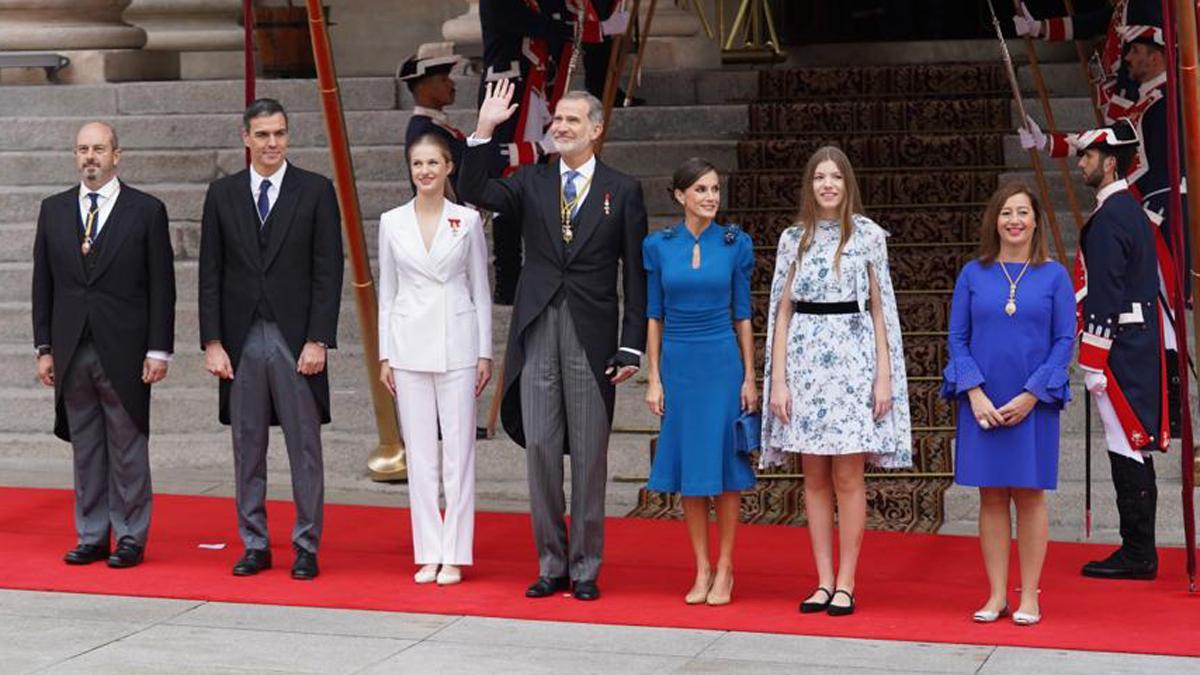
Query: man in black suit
581, 222
270, 290
104, 329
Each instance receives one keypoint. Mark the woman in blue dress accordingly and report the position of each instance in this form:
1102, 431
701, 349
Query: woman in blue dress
700, 367
1012, 328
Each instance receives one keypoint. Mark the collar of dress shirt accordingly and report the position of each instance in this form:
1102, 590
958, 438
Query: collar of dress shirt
585, 170
106, 191
1146, 87
438, 116
276, 178
1109, 190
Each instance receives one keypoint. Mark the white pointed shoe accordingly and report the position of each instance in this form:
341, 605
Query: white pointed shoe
1025, 618
426, 575
449, 576
988, 616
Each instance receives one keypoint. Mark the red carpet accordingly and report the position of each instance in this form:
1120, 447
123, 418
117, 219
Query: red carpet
910, 587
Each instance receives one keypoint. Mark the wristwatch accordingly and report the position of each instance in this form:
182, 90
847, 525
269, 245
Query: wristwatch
43, 350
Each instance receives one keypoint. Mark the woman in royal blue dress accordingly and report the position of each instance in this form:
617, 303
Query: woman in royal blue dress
700, 367
1012, 328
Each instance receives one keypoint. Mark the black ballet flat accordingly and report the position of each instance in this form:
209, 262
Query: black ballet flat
809, 607
837, 610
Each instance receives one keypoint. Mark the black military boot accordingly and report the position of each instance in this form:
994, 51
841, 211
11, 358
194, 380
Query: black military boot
1137, 502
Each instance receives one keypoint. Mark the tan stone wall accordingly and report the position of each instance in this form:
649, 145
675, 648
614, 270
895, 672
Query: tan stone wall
372, 37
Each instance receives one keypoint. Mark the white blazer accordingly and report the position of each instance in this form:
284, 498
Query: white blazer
435, 307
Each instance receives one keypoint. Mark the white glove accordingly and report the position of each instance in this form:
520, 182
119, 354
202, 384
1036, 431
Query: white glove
616, 24
1032, 136
1025, 25
1095, 382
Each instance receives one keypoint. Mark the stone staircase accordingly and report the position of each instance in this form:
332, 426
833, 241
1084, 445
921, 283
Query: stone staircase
178, 136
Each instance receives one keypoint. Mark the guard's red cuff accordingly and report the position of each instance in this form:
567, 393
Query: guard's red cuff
591, 28
1058, 29
1057, 145
1093, 352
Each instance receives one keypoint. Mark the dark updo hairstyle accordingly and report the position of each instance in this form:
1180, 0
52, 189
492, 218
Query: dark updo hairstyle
692, 169
440, 142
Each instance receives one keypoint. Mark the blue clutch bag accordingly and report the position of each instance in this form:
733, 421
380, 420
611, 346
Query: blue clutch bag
747, 433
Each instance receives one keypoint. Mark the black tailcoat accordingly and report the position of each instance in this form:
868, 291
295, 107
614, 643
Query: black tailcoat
123, 293
299, 273
608, 233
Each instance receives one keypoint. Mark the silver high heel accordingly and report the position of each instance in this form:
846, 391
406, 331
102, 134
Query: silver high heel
1025, 618
988, 616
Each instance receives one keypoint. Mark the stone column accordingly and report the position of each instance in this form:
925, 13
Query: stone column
677, 40
464, 31
205, 32
102, 48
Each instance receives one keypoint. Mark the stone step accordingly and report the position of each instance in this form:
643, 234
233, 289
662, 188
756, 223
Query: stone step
1071, 113
107, 101
1062, 78
371, 163
921, 51
182, 409
16, 239
347, 374
364, 127
499, 463
185, 201
1065, 507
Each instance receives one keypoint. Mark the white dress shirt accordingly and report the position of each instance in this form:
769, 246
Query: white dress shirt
276, 179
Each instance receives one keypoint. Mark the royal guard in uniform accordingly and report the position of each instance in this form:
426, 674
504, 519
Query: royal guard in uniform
1121, 347
1148, 176
428, 77
1115, 90
532, 43
520, 40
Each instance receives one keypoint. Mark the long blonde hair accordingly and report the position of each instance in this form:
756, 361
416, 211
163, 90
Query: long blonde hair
806, 220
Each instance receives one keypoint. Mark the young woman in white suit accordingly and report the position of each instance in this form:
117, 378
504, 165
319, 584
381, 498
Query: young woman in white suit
435, 350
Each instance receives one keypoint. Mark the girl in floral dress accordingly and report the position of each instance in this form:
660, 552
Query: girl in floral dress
834, 375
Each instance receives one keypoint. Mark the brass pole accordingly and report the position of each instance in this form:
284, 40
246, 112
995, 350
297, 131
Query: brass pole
1186, 19
386, 462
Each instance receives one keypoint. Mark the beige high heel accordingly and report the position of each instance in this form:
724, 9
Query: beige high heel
427, 574
698, 596
716, 600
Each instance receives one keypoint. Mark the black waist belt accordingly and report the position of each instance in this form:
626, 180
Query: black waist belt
828, 307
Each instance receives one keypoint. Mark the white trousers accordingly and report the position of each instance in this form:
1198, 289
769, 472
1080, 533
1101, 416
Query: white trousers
422, 399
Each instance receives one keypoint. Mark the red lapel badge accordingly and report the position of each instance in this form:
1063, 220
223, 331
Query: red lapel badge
607, 204
454, 224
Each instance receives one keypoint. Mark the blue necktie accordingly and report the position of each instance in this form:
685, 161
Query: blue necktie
94, 212
570, 192
264, 201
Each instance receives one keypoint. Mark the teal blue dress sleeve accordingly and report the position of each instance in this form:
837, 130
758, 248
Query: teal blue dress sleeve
654, 288
742, 274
